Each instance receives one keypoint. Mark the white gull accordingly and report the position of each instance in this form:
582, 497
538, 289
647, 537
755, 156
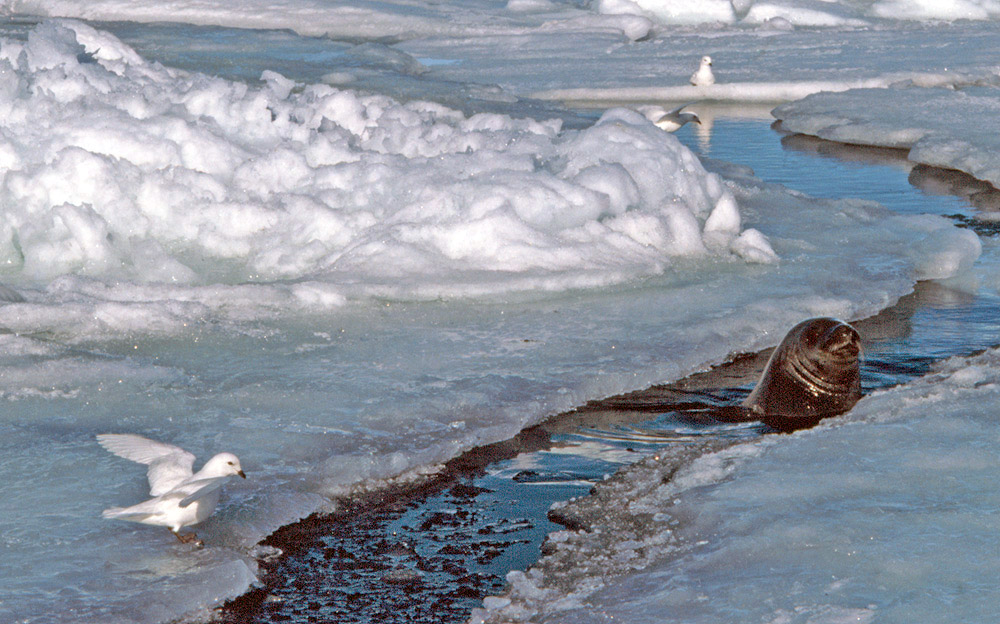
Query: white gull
671, 120
703, 77
181, 497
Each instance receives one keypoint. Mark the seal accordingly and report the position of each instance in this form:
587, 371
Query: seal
812, 374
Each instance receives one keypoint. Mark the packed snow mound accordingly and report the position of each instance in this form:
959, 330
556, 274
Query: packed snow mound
120, 168
940, 127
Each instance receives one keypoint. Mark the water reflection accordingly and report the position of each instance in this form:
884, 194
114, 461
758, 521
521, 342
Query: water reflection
710, 112
935, 181
844, 152
932, 181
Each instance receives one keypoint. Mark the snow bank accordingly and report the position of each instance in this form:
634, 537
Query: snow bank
939, 127
901, 530
117, 168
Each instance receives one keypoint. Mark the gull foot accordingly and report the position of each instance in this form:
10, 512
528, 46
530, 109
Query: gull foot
189, 538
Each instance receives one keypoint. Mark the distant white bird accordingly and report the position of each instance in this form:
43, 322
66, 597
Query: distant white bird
703, 77
671, 120
181, 497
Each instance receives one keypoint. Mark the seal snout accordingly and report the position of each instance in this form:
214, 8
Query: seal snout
843, 340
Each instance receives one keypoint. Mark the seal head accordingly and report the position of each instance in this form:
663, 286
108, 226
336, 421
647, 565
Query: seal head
814, 373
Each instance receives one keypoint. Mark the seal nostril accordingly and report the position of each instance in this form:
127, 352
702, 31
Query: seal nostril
843, 338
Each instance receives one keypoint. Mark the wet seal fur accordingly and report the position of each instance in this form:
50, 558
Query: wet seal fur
814, 373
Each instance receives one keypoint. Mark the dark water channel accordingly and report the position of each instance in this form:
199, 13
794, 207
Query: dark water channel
432, 552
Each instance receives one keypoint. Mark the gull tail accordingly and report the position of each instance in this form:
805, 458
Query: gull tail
125, 513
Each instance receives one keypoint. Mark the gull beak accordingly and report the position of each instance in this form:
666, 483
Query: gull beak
240, 472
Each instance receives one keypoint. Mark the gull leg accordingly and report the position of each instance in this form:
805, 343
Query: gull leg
189, 538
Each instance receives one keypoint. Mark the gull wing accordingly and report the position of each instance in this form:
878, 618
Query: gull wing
169, 465
677, 110
199, 489
136, 513
167, 473
140, 449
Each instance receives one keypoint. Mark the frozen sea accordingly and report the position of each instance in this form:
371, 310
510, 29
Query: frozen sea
363, 238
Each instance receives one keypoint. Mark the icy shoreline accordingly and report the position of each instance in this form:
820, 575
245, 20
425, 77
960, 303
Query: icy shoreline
199, 243
672, 529
935, 126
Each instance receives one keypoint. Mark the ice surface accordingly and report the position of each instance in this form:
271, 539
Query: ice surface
935, 125
609, 50
902, 530
931, 10
342, 287
352, 20
400, 19
821, 13
784, 64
